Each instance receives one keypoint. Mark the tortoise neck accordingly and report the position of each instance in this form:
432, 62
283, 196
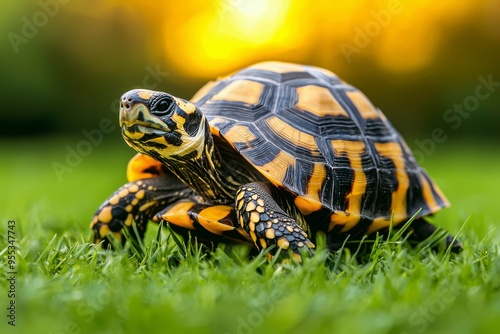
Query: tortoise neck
205, 172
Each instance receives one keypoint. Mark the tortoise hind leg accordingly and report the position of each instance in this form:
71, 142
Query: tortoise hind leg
423, 230
266, 222
209, 223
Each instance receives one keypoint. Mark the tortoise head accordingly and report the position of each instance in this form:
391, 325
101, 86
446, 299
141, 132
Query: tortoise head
161, 125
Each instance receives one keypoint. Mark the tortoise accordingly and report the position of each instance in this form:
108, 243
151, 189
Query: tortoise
270, 156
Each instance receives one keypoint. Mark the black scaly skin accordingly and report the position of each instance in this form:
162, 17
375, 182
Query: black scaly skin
137, 202
266, 223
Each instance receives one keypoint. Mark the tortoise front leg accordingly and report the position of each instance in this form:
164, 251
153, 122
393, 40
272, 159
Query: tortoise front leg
267, 223
136, 201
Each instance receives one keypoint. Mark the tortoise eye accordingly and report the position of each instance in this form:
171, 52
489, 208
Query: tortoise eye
162, 107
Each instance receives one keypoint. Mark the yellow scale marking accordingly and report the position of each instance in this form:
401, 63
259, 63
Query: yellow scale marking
283, 243
133, 188
270, 233
124, 192
354, 151
114, 200
140, 194
104, 230
319, 101
129, 220
105, 215
250, 206
146, 206
254, 217
394, 152
245, 91
364, 106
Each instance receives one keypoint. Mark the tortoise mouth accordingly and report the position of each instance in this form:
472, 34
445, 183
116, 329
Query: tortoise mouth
137, 121
136, 132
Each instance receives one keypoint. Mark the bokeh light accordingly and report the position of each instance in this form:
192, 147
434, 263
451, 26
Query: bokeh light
414, 59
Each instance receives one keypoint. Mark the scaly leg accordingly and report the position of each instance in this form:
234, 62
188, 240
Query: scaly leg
267, 223
136, 201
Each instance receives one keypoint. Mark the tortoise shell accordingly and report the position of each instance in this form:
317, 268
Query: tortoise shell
322, 142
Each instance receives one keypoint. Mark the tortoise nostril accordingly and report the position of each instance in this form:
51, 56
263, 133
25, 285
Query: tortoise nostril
129, 99
121, 105
127, 106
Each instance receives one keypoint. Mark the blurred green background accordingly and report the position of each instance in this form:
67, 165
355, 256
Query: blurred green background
64, 63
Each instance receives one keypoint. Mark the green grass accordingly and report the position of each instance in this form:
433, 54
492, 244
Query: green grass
66, 285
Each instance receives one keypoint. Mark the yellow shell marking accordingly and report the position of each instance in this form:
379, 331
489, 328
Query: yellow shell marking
428, 195
214, 129
239, 134
275, 170
394, 152
364, 106
203, 91
293, 135
354, 151
245, 91
319, 101
311, 202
